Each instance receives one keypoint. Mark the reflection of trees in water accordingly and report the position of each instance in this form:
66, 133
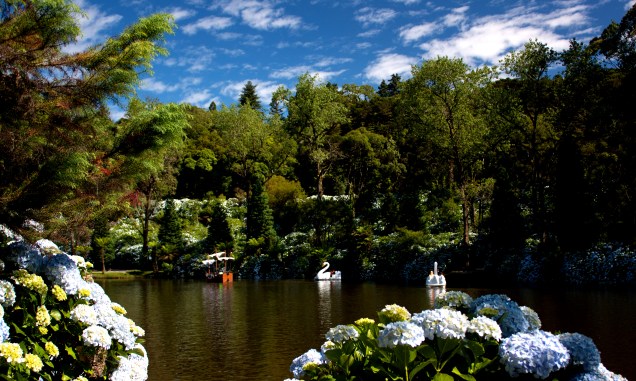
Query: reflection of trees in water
433, 292
328, 292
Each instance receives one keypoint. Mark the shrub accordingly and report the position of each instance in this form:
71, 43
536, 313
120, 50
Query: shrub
57, 325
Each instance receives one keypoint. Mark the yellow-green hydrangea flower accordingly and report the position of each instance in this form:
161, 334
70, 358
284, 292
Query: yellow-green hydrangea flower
33, 362
118, 308
31, 281
51, 349
364, 321
59, 293
43, 330
42, 317
80, 378
393, 313
84, 293
11, 352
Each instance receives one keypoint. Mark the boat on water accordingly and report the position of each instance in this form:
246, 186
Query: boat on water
435, 280
219, 269
323, 274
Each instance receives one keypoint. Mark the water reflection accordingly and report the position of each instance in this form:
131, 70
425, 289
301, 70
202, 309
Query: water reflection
328, 292
434, 292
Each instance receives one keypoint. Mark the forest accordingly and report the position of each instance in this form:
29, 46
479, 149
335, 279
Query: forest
526, 170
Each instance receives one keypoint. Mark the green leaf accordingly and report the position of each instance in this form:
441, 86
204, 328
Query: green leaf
466, 377
442, 377
71, 352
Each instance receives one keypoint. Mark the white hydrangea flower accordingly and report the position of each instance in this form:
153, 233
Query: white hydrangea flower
132, 368
96, 336
485, 327
7, 293
117, 325
341, 333
84, 313
444, 323
453, 299
311, 356
400, 333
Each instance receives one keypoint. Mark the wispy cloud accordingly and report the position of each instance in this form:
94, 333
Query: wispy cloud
193, 59
262, 15
415, 33
180, 13
208, 23
406, 2
488, 38
388, 64
94, 26
294, 72
630, 4
373, 16
264, 89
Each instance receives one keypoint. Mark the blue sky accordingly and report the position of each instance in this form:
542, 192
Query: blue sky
219, 45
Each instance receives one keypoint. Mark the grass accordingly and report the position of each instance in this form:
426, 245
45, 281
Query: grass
120, 274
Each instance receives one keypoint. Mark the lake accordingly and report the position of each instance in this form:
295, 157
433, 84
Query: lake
251, 330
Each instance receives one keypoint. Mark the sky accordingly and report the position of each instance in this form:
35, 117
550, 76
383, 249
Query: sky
219, 45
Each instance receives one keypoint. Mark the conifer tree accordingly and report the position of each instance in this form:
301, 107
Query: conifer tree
219, 234
249, 96
170, 233
260, 232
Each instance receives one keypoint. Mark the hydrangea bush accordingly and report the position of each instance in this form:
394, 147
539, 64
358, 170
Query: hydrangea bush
488, 338
56, 324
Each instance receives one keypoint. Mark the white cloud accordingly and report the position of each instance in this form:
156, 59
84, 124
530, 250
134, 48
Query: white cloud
630, 4
208, 23
201, 98
368, 15
388, 64
406, 2
456, 17
414, 33
194, 59
369, 33
155, 86
264, 90
262, 15
94, 25
180, 13
488, 38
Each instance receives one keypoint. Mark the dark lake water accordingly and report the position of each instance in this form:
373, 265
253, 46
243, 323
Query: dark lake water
252, 330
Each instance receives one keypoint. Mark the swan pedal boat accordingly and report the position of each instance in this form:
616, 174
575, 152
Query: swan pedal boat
331, 275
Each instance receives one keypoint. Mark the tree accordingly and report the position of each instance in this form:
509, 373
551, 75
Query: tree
259, 223
219, 235
170, 233
54, 127
445, 91
315, 113
249, 97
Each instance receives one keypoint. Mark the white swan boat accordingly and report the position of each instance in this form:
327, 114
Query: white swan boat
324, 275
435, 280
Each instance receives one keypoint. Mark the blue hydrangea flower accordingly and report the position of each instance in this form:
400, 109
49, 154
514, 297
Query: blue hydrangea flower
599, 374
444, 323
311, 356
504, 310
4, 330
117, 325
7, 293
538, 353
341, 333
400, 333
582, 350
62, 271
26, 256
454, 299
532, 317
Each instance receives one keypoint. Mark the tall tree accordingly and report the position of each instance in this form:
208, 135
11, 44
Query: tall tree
54, 127
249, 97
170, 234
315, 113
259, 223
447, 90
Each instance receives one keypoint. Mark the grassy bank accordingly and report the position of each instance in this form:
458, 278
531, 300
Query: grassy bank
120, 274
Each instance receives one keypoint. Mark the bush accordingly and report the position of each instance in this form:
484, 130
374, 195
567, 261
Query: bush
58, 325
489, 338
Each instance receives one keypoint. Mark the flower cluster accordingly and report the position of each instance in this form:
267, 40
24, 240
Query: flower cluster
485, 327
454, 299
50, 292
392, 313
445, 342
443, 323
400, 333
582, 350
537, 352
502, 309
342, 333
299, 364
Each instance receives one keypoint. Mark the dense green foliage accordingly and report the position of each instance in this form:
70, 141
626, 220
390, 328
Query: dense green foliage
476, 167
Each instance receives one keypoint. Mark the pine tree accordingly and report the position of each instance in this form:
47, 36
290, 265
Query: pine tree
249, 96
170, 228
219, 234
259, 221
